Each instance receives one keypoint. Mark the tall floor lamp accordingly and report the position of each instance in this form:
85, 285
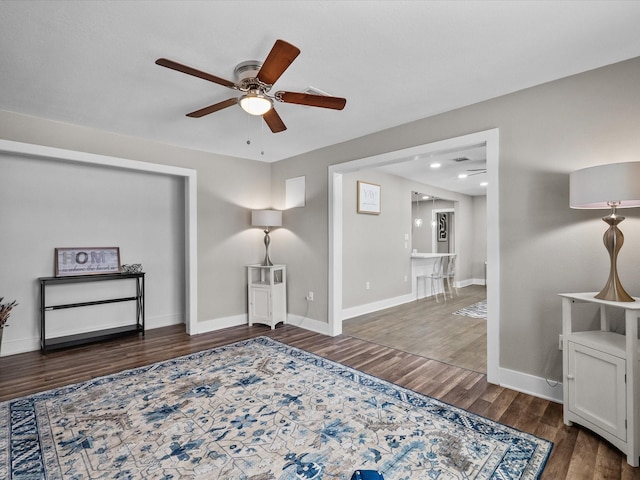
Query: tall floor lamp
612, 186
266, 219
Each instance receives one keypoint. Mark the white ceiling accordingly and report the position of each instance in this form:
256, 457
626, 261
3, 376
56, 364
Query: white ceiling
92, 63
443, 170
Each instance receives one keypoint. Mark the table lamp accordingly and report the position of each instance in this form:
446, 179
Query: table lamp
266, 219
612, 186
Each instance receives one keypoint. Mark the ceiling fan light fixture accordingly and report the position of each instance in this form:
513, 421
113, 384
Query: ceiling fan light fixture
255, 80
255, 103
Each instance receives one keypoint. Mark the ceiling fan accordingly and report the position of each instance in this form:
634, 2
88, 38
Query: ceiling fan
254, 80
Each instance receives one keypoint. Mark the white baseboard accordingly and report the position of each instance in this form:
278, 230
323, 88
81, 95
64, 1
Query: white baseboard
395, 301
164, 321
296, 320
375, 306
536, 386
308, 324
470, 281
214, 324
24, 345
14, 347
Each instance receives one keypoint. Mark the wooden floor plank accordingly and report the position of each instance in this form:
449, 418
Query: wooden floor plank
578, 454
583, 461
606, 466
564, 444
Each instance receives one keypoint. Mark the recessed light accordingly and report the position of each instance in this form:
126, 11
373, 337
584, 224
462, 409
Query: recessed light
425, 197
484, 184
463, 175
435, 165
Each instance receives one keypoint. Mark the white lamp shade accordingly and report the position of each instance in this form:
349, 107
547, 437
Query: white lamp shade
266, 218
597, 187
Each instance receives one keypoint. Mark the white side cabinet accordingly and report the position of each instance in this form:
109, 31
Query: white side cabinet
602, 374
267, 294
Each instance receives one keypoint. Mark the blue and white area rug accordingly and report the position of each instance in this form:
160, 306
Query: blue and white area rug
253, 410
477, 310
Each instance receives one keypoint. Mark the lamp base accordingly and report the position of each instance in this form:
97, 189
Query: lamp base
267, 261
614, 292
613, 240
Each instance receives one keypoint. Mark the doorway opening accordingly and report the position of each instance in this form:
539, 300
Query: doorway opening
488, 139
444, 231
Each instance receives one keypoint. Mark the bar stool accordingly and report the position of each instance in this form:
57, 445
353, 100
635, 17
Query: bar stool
450, 275
436, 276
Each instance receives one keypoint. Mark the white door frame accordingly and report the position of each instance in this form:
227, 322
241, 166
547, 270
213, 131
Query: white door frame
488, 138
434, 231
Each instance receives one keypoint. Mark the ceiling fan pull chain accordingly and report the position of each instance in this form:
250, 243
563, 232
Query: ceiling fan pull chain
248, 139
261, 138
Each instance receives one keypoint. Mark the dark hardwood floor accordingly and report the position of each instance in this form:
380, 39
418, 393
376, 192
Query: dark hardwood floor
577, 453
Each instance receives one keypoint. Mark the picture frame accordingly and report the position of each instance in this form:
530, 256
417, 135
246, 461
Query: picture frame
443, 227
72, 261
368, 198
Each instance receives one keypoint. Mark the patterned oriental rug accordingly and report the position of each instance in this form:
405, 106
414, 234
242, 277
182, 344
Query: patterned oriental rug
254, 410
477, 310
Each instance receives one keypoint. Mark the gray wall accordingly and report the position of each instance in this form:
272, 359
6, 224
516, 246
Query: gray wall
228, 188
421, 237
374, 245
374, 248
46, 204
479, 237
546, 248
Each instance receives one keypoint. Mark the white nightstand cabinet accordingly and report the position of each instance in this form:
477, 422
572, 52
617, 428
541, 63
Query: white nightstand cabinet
267, 294
601, 384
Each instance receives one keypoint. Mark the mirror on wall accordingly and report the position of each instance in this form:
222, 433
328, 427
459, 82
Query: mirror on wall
432, 224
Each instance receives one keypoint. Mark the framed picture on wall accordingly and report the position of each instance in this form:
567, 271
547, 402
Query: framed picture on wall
443, 227
368, 198
86, 261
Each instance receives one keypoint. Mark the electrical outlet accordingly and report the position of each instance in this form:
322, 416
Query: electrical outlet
310, 296
406, 278
367, 286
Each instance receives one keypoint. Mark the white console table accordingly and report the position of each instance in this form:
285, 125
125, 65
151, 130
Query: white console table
267, 294
601, 373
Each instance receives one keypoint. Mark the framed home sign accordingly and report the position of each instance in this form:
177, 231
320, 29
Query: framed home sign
86, 261
368, 198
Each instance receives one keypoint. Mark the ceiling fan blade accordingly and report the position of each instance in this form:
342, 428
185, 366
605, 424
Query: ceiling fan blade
273, 120
323, 101
164, 62
282, 54
213, 108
